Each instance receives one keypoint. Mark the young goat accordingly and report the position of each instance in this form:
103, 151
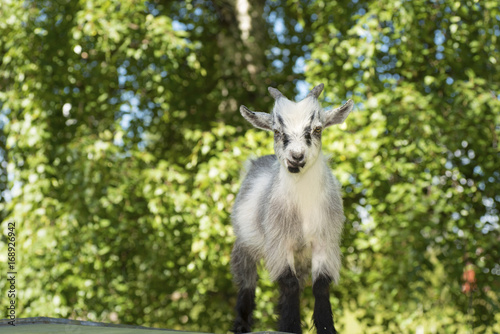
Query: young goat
289, 212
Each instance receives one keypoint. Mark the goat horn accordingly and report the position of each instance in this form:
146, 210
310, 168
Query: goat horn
316, 91
274, 93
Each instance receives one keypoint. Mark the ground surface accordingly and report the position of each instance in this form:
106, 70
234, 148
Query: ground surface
53, 325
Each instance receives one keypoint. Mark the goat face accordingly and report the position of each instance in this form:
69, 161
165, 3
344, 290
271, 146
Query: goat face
297, 133
297, 127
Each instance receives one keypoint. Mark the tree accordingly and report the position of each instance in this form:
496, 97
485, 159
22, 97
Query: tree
121, 149
421, 156
110, 162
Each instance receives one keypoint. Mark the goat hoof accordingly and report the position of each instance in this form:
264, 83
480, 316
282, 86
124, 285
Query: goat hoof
240, 328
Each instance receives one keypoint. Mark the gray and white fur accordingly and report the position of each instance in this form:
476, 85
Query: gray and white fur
289, 212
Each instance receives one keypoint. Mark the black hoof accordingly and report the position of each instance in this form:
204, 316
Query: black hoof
241, 326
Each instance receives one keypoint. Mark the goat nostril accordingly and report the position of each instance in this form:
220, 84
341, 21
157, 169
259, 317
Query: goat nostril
298, 157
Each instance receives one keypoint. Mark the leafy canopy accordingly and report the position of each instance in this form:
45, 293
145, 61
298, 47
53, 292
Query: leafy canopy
121, 148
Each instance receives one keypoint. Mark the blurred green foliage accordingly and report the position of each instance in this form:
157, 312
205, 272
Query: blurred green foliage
121, 148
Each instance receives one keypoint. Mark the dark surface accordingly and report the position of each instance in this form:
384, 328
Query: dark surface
54, 325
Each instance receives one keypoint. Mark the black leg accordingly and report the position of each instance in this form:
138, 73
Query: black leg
244, 309
244, 268
323, 318
289, 305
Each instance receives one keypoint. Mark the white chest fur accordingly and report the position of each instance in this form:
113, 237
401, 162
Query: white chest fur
307, 192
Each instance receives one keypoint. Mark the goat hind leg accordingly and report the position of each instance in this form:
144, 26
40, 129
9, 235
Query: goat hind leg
244, 269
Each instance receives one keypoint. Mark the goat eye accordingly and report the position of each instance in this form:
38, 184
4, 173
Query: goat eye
317, 129
276, 132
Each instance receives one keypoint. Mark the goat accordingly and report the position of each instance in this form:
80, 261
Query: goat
289, 212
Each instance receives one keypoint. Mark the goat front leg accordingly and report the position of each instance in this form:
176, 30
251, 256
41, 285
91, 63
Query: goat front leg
325, 269
323, 317
289, 304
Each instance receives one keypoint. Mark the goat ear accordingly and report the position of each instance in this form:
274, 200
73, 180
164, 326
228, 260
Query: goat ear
338, 115
260, 120
316, 91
